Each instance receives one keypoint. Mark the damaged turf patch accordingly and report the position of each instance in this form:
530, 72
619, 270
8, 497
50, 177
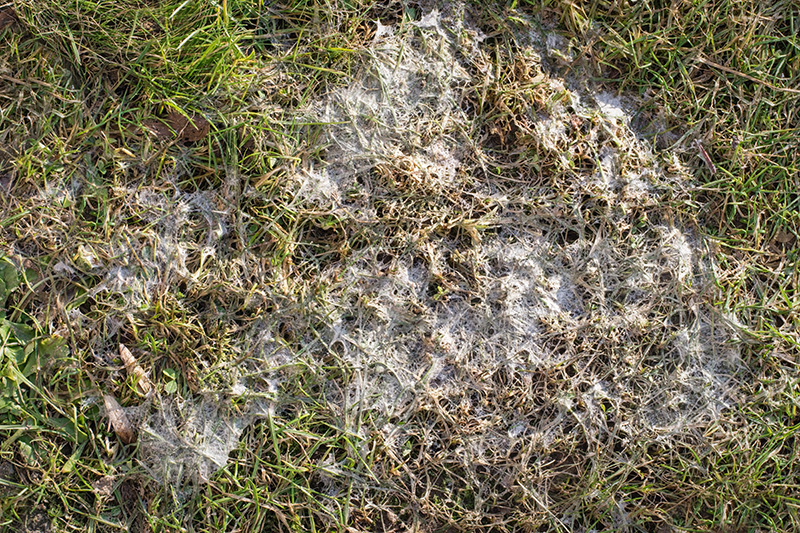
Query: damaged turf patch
465, 290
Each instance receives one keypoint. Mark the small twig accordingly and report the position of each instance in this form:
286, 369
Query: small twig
705, 157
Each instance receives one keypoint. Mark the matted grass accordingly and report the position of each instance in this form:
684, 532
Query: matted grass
399, 266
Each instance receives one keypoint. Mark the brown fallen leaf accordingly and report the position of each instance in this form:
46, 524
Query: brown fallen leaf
7, 16
119, 420
143, 385
5, 180
159, 129
784, 237
248, 144
189, 129
175, 125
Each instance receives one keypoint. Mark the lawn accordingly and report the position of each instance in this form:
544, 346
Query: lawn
378, 265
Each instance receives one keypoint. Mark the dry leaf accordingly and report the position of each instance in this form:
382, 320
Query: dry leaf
7, 16
784, 237
119, 420
159, 129
5, 180
175, 125
248, 143
193, 129
143, 385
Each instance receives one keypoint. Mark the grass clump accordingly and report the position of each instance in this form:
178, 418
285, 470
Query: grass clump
177, 49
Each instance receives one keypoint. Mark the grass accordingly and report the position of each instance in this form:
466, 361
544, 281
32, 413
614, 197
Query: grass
399, 279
